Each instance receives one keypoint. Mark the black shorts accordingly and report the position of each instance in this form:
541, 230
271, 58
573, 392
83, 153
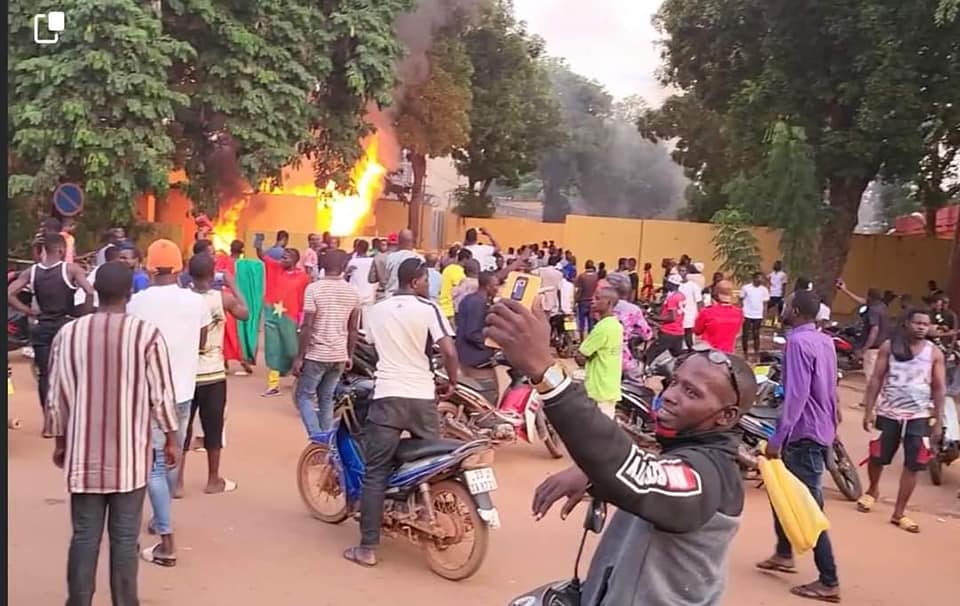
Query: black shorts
211, 400
912, 433
776, 303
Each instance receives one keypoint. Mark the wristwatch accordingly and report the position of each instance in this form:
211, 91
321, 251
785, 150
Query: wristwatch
554, 379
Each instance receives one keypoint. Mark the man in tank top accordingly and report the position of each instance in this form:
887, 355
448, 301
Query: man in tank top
210, 396
54, 284
911, 372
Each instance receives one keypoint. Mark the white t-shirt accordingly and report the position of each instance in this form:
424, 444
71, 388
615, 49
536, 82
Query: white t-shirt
360, 271
483, 253
824, 314
692, 295
179, 314
80, 297
567, 294
778, 280
402, 329
754, 301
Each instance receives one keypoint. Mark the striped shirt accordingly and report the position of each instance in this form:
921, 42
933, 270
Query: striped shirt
331, 300
108, 373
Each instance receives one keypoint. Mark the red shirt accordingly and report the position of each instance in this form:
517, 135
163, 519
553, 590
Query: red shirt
285, 287
673, 303
719, 325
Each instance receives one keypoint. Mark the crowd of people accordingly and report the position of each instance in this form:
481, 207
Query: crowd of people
120, 387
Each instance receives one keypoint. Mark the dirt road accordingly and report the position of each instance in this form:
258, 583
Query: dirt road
258, 545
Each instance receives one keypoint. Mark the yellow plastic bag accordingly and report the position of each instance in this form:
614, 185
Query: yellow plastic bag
800, 516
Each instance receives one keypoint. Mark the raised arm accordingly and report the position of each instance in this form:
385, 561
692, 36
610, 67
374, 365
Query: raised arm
235, 305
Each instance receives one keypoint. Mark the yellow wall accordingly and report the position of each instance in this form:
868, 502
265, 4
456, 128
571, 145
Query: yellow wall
902, 264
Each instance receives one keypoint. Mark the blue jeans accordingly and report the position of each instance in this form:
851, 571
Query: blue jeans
807, 460
584, 317
314, 394
163, 480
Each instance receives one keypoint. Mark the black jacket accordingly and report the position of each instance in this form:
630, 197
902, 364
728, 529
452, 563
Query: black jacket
679, 510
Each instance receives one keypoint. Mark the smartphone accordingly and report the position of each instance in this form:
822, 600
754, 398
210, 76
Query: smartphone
258, 239
522, 288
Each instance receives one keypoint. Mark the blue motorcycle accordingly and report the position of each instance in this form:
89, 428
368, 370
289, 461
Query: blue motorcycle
438, 497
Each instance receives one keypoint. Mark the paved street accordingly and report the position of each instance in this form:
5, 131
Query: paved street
259, 546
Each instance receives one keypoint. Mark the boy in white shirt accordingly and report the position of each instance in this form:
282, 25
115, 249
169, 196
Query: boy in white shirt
755, 297
778, 283
692, 298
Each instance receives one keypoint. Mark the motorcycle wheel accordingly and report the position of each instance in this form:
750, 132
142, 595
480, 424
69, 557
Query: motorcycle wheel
844, 472
319, 484
936, 471
451, 426
457, 514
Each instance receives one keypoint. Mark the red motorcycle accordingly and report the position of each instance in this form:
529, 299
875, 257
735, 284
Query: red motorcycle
843, 341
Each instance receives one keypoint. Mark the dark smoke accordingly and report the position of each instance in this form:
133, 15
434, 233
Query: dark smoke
417, 29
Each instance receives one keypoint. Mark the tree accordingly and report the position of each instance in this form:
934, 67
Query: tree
229, 91
513, 118
605, 165
93, 108
433, 117
735, 245
857, 77
700, 146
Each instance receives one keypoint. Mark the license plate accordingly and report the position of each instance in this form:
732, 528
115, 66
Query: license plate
569, 325
480, 480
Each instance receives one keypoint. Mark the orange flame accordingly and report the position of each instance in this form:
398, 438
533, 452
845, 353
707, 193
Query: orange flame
342, 213
225, 226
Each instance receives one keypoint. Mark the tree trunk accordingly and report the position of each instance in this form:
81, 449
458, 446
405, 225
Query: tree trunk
845, 195
486, 187
953, 278
419, 164
930, 214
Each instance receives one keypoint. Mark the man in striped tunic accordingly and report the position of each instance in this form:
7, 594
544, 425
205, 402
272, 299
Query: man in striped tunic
109, 372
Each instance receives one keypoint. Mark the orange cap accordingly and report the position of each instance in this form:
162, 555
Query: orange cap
164, 254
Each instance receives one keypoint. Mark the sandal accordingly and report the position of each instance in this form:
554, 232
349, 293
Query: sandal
817, 591
150, 555
866, 503
905, 523
775, 564
228, 486
353, 555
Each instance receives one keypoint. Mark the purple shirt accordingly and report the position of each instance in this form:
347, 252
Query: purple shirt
810, 389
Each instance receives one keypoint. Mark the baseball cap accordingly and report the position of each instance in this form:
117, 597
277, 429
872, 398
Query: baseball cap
164, 254
393, 238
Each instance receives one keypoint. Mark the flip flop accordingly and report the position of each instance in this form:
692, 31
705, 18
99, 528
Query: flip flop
228, 486
813, 591
865, 503
905, 523
351, 555
150, 555
772, 565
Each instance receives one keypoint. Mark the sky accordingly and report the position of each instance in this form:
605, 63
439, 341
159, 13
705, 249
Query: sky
612, 41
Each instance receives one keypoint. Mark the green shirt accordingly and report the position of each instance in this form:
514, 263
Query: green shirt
602, 348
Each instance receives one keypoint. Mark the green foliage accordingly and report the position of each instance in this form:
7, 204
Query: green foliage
433, 117
229, 91
513, 118
473, 204
92, 108
605, 166
735, 245
861, 78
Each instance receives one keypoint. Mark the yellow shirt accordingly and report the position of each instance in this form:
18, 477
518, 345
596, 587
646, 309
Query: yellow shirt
452, 275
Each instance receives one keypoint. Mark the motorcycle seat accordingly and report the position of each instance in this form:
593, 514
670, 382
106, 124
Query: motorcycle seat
765, 412
766, 357
414, 449
637, 388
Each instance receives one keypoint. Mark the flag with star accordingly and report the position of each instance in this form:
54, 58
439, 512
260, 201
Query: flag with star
283, 304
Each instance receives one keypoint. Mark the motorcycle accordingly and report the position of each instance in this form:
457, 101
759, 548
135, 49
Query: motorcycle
759, 424
567, 593
469, 415
438, 497
948, 450
634, 411
564, 336
844, 338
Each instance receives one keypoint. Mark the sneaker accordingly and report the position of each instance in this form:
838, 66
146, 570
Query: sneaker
270, 393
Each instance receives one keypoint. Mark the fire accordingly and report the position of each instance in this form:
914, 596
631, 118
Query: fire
342, 213
225, 227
